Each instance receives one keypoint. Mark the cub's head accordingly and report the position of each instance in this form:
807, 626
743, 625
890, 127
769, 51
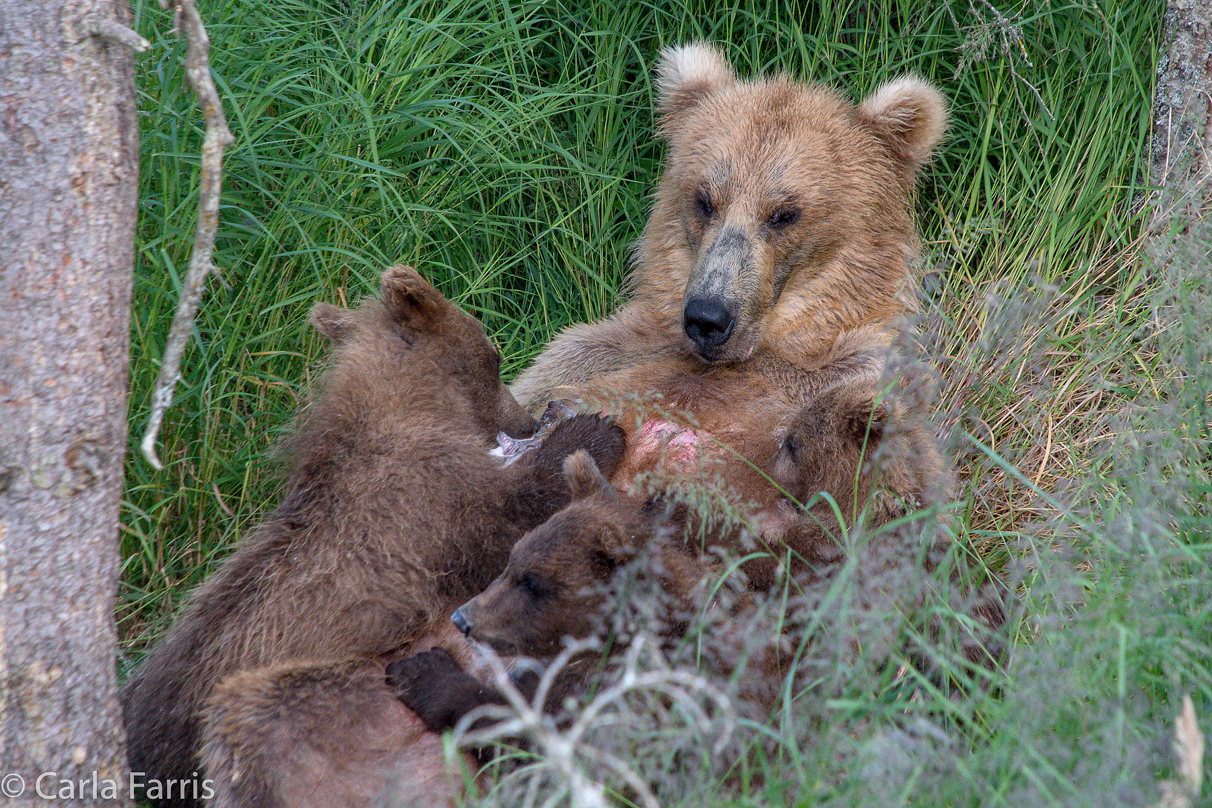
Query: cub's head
415, 336
867, 450
552, 586
783, 215
830, 446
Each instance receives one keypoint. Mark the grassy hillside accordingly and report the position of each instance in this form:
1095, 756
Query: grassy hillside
506, 150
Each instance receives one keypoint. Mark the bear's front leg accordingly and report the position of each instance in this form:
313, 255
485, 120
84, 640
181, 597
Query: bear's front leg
581, 356
539, 489
433, 686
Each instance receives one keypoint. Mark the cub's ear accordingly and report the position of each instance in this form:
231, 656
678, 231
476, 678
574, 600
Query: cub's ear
684, 76
868, 420
584, 478
411, 300
909, 115
334, 322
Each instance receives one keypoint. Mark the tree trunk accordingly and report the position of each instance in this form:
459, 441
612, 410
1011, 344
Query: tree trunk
1181, 159
68, 193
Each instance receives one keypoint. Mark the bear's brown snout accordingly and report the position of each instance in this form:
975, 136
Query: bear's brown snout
710, 311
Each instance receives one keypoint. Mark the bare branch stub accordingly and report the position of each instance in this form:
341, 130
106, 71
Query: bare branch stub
115, 31
216, 139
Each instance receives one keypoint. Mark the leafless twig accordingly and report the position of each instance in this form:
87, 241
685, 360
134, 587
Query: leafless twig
1008, 28
581, 770
218, 136
115, 31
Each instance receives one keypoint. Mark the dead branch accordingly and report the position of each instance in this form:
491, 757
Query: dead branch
217, 137
115, 31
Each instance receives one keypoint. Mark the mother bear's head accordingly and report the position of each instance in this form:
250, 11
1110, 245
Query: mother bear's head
783, 215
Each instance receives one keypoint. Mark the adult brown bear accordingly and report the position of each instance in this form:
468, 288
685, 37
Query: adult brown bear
775, 264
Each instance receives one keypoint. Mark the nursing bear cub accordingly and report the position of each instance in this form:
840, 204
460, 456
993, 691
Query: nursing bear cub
829, 468
394, 512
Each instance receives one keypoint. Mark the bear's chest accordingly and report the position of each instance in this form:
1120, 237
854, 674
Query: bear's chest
723, 424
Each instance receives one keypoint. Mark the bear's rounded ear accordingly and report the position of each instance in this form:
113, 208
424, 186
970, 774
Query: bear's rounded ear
684, 76
333, 322
584, 478
909, 115
411, 300
868, 421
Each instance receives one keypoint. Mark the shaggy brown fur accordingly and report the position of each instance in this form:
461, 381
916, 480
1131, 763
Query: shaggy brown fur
394, 513
871, 453
744, 411
876, 458
552, 584
775, 261
782, 221
307, 735
552, 587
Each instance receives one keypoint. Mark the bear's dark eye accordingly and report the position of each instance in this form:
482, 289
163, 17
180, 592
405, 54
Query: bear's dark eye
783, 217
702, 203
791, 446
603, 561
532, 586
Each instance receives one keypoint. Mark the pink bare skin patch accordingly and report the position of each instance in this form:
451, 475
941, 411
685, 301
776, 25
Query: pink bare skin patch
674, 447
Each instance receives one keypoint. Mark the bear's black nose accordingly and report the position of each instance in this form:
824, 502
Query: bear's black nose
460, 622
707, 321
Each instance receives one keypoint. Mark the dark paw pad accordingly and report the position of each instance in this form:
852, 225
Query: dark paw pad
421, 672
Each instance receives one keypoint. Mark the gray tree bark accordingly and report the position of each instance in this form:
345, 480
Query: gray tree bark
68, 195
1181, 158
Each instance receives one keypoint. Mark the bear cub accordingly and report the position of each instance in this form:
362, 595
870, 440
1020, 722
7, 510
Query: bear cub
393, 513
875, 457
879, 459
552, 586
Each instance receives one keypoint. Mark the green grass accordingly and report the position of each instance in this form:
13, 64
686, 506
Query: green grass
507, 152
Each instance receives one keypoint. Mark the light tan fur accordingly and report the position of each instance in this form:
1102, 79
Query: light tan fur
754, 149
775, 262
